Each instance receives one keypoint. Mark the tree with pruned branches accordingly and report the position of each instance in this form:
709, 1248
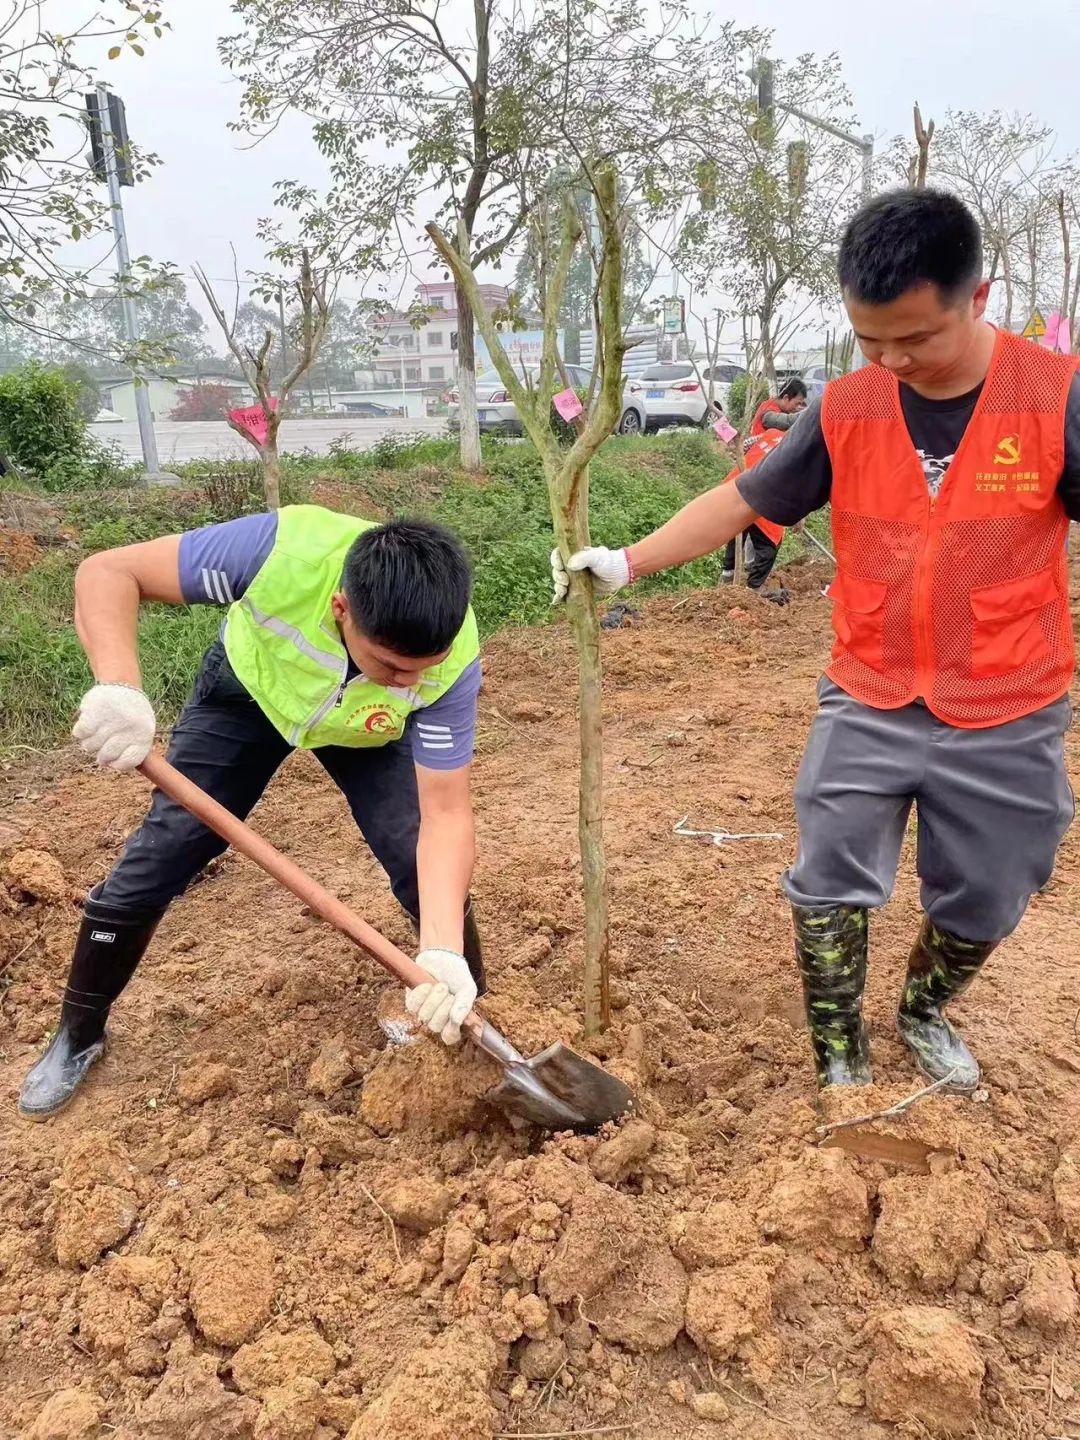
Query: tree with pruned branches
474, 119
313, 298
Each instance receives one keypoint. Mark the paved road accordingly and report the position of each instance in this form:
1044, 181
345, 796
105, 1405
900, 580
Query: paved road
213, 440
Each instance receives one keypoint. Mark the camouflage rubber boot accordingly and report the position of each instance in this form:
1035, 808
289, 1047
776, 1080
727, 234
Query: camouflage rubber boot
830, 947
941, 967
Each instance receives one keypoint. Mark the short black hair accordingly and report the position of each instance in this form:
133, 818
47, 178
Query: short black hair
407, 583
794, 390
905, 238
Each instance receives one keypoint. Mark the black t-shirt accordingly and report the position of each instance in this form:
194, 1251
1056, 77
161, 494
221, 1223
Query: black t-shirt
796, 478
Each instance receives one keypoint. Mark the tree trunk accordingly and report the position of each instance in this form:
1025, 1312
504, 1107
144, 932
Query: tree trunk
1006, 275
569, 493
271, 470
469, 425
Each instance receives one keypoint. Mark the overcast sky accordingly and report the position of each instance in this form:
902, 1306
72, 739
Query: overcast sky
971, 54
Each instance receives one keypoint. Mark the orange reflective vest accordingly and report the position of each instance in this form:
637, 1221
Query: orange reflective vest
963, 599
756, 426
766, 441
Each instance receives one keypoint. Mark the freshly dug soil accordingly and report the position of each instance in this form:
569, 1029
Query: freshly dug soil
256, 1221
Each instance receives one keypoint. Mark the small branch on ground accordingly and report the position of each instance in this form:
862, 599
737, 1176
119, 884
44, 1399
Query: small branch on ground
389, 1220
897, 1109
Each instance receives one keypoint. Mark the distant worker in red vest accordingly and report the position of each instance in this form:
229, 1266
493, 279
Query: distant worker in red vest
782, 412
952, 462
764, 536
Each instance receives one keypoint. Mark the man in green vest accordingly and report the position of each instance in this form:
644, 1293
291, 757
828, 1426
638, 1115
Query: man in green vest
341, 636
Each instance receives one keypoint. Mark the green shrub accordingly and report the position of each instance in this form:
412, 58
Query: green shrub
744, 397
41, 422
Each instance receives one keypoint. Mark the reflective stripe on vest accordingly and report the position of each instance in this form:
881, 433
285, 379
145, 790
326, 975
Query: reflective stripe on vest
766, 442
963, 599
283, 643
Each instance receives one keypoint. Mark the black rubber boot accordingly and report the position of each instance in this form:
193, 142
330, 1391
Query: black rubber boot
473, 955
941, 967
831, 948
110, 944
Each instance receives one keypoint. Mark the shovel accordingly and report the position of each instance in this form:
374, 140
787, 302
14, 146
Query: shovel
557, 1089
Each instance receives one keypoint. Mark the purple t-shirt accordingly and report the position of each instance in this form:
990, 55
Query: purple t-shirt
219, 562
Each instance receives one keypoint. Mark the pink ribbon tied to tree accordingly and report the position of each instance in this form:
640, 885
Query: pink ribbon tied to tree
1057, 335
567, 404
252, 420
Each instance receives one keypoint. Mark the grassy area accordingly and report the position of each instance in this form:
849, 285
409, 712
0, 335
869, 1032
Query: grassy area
502, 518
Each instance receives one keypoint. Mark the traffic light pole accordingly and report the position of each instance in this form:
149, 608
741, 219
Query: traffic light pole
153, 474
762, 75
862, 143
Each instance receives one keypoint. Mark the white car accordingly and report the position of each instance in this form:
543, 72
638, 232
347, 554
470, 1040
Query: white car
721, 377
669, 394
497, 413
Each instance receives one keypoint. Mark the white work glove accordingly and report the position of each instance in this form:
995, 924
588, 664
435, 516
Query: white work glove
116, 726
443, 1006
610, 570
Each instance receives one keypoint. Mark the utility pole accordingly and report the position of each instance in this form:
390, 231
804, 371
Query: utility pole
762, 75
110, 109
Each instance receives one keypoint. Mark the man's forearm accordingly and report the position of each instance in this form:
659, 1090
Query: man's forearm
107, 621
704, 525
445, 853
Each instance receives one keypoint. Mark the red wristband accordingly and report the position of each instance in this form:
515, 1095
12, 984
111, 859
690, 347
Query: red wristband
630, 576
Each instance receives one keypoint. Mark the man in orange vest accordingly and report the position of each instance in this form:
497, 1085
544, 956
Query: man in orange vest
782, 412
952, 462
764, 536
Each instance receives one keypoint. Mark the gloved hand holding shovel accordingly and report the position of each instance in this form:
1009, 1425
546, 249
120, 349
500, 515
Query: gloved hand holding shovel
557, 1089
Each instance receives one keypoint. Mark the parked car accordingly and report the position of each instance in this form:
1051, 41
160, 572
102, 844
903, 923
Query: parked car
371, 409
497, 413
670, 395
721, 377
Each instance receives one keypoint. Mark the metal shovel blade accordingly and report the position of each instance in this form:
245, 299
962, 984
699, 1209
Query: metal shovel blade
561, 1090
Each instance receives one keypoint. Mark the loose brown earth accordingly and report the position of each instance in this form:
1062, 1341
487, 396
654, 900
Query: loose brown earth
256, 1222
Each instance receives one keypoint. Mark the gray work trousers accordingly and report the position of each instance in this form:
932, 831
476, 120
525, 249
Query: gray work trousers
993, 806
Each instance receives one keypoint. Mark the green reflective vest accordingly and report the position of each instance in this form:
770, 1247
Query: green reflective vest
283, 643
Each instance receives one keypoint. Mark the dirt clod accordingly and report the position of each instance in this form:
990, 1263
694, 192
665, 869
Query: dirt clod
198, 1083
440, 1393
820, 1200
614, 1159
332, 1066
192, 1403
417, 1204
541, 1359
929, 1228
96, 1199
718, 1235
1048, 1300
1067, 1189
458, 1246
603, 1233
925, 1368
68, 1415
232, 1285
710, 1405
726, 1307
276, 1360
37, 875
644, 1307
290, 1412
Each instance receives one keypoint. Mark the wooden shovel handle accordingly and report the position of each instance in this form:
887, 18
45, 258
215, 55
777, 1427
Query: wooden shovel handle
241, 837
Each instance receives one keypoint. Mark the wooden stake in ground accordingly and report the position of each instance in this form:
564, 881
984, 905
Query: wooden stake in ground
567, 473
